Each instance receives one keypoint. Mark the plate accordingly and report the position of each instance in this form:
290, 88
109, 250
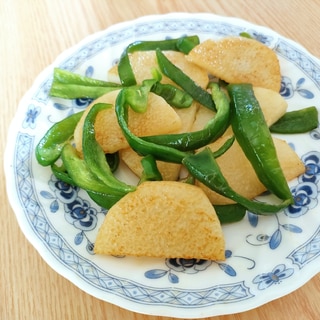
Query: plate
266, 257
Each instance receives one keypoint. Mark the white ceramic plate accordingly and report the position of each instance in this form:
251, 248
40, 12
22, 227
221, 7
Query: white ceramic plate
267, 257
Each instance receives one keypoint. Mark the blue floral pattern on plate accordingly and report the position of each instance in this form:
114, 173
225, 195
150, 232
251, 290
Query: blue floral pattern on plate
264, 254
279, 273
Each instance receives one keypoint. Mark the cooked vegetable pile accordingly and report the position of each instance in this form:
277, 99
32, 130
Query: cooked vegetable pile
180, 106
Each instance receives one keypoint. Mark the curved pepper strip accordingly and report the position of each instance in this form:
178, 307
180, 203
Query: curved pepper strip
140, 146
184, 81
150, 169
204, 168
194, 140
83, 177
94, 156
69, 85
102, 199
228, 144
173, 95
137, 96
62, 174
49, 148
298, 121
230, 213
187, 43
183, 44
254, 137
113, 160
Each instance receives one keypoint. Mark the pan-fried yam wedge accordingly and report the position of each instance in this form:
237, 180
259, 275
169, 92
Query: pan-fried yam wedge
164, 219
272, 104
143, 62
202, 117
187, 116
239, 60
241, 176
160, 118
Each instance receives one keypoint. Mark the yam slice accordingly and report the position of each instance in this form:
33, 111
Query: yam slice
240, 174
160, 118
163, 219
272, 104
239, 60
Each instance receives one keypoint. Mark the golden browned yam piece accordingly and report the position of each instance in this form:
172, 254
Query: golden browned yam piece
203, 115
143, 62
187, 116
241, 176
272, 104
160, 118
239, 60
163, 219
169, 171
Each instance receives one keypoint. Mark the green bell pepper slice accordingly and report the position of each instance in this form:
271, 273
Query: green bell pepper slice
254, 137
49, 148
204, 168
298, 121
184, 81
150, 169
94, 156
69, 85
